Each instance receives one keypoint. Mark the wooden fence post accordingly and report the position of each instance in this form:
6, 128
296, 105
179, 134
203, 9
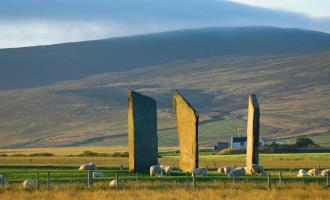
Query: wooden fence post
233, 180
117, 181
269, 181
90, 179
48, 180
327, 178
280, 178
215, 167
38, 180
194, 182
136, 176
187, 177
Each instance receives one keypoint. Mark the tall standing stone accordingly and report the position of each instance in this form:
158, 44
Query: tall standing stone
142, 132
187, 124
252, 151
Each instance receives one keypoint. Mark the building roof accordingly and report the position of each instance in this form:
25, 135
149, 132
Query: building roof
238, 139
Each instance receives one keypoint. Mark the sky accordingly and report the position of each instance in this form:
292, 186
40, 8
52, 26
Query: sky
42, 22
314, 8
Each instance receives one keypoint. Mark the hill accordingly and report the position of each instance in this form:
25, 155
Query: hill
293, 92
37, 66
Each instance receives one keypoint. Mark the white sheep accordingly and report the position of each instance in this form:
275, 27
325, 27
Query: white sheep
239, 171
313, 172
156, 170
28, 184
89, 166
302, 173
199, 171
167, 169
325, 172
114, 184
97, 174
225, 170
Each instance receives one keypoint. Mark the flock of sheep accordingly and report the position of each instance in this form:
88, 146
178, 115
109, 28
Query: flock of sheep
159, 170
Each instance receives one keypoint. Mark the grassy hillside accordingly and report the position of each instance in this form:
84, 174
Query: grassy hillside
293, 92
37, 66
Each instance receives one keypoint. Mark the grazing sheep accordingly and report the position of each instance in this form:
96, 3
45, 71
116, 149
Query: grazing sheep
199, 172
114, 184
225, 170
2, 179
167, 169
325, 172
28, 185
255, 170
89, 166
156, 170
221, 170
313, 172
239, 171
97, 174
302, 173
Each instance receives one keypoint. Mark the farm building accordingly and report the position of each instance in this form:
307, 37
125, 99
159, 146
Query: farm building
220, 146
240, 142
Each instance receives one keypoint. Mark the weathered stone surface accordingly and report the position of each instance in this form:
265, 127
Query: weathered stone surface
142, 132
252, 151
187, 124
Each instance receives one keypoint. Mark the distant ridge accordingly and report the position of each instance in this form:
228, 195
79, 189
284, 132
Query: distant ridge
37, 66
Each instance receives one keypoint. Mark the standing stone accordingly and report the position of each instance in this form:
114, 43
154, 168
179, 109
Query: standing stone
252, 151
187, 124
142, 132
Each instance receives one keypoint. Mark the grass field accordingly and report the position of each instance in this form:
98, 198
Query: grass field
68, 183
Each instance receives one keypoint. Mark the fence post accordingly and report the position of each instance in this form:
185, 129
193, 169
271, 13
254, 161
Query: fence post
215, 167
233, 180
187, 177
194, 181
136, 176
48, 180
269, 181
38, 180
328, 178
280, 178
90, 179
117, 183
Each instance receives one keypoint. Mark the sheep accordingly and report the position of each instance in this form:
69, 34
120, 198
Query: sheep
97, 174
156, 170
325, 172
255, 169
2, 179
302, 173
167, 169
199, 171
89, 166
28, 185
225, 170
114, 184
313, 172
240, 171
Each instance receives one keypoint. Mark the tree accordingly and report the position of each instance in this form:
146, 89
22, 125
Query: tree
303, 142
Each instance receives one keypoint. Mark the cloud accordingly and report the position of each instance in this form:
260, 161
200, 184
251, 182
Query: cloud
40, 22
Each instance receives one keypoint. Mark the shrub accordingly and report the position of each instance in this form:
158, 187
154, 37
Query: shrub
3, 155
43, 154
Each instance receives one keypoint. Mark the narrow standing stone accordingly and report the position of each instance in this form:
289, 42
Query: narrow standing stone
142, 132
187, 124
252, 151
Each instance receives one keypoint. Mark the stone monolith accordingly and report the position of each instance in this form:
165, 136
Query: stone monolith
187, 125
142, 132
252, 151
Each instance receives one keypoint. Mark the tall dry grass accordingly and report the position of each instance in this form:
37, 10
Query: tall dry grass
172, 190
